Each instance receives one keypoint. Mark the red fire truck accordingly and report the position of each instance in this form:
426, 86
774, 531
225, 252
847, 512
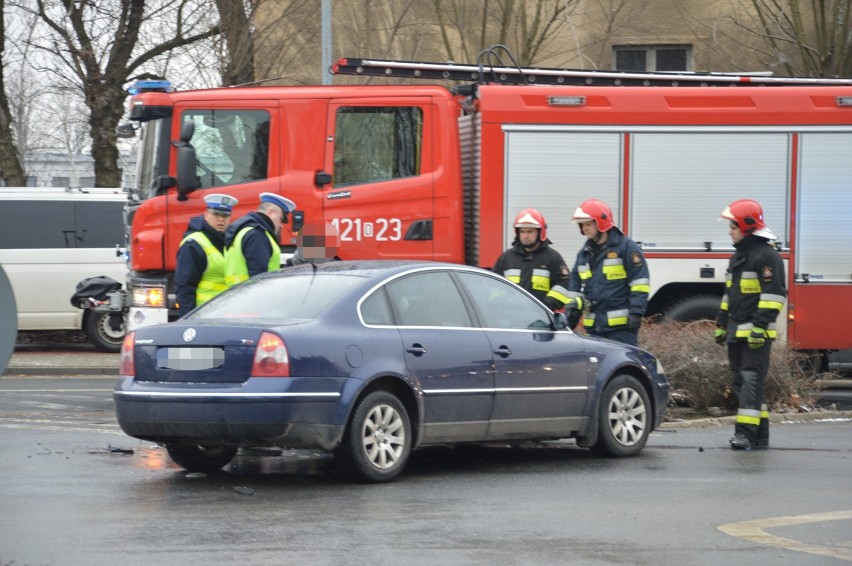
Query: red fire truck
420, 171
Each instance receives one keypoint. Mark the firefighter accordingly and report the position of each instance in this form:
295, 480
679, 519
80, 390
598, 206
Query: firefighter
755, 294
532, 263
610, 282
252, 241
200, 269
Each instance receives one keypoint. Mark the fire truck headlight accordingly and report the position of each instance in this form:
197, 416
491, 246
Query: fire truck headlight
149, 296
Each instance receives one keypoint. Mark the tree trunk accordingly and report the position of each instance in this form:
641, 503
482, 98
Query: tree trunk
11, 170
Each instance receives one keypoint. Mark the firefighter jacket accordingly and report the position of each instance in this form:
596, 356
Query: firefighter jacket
754, 290
542, 272
250, 248
200, 269
611, 281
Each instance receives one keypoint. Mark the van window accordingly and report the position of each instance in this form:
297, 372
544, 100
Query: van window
231, 146
377, 144
41, 224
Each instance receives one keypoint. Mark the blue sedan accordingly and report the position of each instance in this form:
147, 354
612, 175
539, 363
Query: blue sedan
372, 359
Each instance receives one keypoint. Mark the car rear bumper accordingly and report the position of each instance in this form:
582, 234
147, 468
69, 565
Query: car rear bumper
267, 412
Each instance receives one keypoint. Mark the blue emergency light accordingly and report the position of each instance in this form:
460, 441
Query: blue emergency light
150, 86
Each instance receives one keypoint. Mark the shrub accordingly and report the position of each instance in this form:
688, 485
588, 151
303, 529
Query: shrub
700, 376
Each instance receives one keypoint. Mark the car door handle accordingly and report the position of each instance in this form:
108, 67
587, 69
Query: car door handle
503, 351
416, 349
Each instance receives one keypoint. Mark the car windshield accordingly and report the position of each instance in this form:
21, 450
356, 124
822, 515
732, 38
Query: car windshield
299, 297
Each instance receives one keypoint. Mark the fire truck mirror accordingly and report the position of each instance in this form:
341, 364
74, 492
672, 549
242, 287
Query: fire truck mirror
186, 131
298, 220
322, 178
187, 175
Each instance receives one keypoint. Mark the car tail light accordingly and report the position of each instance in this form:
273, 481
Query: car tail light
270, 357
127, 366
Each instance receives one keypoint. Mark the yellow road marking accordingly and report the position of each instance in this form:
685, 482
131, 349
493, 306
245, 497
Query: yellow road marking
755, 531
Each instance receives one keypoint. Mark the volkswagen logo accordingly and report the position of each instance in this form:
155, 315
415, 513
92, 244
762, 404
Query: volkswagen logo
189, 335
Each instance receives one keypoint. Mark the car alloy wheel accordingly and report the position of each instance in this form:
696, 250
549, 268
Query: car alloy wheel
378, 440
624, 417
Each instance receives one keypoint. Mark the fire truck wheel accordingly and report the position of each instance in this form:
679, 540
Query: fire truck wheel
698, 307
101, 333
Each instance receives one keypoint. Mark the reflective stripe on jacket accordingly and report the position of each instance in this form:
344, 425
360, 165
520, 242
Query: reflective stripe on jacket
755, 290
613, 281
212, 281
542, 272
236, 269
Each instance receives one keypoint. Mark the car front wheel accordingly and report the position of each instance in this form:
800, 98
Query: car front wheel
201, 458
624, 418
378, 440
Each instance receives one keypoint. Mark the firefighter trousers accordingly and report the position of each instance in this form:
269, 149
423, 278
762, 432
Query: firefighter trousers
748, 372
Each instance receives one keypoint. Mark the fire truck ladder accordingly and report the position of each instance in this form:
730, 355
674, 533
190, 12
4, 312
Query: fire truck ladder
551, 76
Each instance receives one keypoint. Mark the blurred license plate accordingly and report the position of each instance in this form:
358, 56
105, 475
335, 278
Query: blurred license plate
189, 359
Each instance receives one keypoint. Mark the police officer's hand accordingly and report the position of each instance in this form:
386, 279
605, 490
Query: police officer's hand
757, 338
719, 335
634, 321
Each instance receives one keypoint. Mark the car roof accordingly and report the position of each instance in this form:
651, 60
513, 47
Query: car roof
368, 268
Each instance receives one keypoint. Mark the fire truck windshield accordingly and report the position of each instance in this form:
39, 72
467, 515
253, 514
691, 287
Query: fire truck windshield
152, 161
231, 147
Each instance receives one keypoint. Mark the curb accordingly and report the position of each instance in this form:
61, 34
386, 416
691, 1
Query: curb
773, 418
34, 371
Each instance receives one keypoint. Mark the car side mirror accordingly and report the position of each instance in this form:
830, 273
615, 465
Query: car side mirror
560, 321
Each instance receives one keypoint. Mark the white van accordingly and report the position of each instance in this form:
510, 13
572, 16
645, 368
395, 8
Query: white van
50, 240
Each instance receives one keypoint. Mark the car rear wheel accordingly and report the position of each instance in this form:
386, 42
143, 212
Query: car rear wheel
201, 458
378, 439
624, 418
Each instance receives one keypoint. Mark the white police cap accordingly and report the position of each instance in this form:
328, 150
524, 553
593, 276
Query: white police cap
285, 204
223, 204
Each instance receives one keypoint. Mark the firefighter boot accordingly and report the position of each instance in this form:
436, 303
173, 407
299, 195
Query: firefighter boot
745, 437
763, 429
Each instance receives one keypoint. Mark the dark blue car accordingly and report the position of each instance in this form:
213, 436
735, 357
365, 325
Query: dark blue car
372, 359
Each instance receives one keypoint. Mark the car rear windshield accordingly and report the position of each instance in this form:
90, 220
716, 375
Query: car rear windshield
300, 297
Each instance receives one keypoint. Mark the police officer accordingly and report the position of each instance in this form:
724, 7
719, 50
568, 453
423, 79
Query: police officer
610, 281
755, 295
200, 269
532, 263
252, 241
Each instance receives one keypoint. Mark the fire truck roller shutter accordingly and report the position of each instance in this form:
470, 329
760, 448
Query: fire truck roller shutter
698, 307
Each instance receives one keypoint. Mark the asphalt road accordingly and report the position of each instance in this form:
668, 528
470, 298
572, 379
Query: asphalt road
75, 490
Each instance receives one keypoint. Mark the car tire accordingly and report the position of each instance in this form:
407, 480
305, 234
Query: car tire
101, 333
201, 458
377, 442
624, 418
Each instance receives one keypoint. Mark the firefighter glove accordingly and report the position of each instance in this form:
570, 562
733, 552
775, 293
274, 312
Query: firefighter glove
757, 338
719, 335
633, 321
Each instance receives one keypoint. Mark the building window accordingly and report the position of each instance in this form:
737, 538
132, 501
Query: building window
59, 181
653, 58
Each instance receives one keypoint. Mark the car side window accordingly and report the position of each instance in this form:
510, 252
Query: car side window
502, 305
428, 299
375, 309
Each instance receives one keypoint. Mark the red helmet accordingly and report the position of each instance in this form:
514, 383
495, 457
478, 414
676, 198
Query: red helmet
531, 218
596, 210
748, 216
